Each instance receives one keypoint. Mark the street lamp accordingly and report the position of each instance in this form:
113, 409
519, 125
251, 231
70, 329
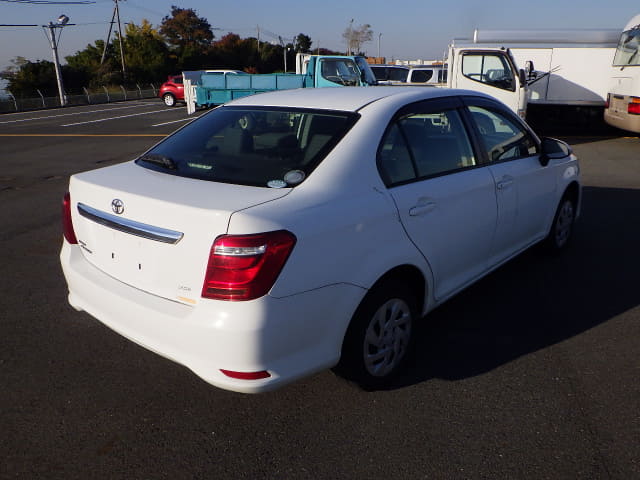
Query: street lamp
60, 23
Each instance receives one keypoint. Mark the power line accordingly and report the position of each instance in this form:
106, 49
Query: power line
49, 2
29, 25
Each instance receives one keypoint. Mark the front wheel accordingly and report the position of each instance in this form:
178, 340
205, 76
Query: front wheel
562, 227
380, 337
169, 100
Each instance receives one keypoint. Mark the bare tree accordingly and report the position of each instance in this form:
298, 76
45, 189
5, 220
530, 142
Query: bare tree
355, 37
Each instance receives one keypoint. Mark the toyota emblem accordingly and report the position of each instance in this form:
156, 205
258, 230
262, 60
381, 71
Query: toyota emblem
117, 206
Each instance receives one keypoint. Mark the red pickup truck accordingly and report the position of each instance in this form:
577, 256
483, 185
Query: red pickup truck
172, 90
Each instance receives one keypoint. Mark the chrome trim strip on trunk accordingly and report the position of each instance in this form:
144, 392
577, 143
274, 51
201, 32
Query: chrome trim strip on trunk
129, 226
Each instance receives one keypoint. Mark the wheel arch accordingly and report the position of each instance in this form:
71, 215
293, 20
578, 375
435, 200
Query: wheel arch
412, 276
405, 275
573, 193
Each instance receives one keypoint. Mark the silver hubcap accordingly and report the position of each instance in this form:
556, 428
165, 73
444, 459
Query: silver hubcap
387, 338
168, 100
564, 223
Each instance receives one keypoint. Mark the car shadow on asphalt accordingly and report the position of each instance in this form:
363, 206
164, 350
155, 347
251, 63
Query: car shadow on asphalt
537, 300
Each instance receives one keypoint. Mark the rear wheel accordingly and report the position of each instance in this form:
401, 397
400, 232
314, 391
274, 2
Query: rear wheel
169, 100
380, 337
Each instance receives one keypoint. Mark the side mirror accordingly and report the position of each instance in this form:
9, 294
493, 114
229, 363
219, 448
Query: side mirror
553, 149
529, 69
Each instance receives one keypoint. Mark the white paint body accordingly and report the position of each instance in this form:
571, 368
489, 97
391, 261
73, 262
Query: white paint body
350, 227
624, 89
580, 75
579, 62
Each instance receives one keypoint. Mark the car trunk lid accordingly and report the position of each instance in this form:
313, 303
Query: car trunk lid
154, 231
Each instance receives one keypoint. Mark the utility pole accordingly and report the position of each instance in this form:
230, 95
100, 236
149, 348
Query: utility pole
114, 16
62, 21
124, 73
106, 44
284, 49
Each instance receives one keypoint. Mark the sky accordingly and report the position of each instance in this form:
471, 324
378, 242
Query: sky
402, 29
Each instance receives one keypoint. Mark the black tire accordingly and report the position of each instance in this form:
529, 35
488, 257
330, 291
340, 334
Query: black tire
169, 100
380, 337
562, 227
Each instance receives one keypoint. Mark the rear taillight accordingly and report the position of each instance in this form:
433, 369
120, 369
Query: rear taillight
67, 224
634, 106
245, 267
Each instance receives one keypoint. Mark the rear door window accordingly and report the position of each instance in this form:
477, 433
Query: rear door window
268, 147
421, 145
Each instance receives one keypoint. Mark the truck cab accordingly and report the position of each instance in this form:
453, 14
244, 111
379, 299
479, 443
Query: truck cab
335, 70
489, 70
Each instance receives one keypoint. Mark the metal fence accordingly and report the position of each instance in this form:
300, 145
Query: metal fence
106, 95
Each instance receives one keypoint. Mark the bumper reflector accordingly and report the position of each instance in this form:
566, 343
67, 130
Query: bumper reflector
246, 375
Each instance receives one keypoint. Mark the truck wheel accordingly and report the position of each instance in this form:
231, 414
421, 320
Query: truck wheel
380, 337
169, 100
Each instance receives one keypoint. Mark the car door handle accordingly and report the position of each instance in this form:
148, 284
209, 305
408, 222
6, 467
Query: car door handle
422, 209
504, 183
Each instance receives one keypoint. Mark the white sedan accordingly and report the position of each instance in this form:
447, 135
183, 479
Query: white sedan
293, 231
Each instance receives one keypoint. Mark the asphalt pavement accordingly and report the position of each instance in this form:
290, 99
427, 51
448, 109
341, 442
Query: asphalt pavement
531, 373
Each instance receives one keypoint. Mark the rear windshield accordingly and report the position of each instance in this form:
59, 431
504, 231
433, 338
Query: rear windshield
257, 146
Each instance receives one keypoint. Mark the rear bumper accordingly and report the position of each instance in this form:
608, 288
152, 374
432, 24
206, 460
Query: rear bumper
623, 121
289, 337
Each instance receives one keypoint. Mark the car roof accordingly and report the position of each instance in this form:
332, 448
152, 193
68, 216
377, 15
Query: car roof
349, 99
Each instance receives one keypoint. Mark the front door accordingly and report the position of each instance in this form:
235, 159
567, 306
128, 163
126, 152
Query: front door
523, 186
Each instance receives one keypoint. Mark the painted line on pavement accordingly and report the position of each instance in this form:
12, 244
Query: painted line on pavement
114, 118
84, 134
174, 121
68, 114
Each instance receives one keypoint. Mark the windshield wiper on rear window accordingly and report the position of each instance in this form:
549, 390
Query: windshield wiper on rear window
159, 160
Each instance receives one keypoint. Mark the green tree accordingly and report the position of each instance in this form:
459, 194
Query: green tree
303, 43
85, 69
146, 54
25, 77
188, 36
234, 52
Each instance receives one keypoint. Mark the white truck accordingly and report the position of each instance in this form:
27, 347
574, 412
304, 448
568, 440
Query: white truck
489, 70
568, 71
623, 97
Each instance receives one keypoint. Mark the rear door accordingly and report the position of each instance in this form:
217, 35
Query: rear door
445, 198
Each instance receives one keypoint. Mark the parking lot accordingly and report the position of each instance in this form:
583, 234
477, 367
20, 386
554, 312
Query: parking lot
531, 373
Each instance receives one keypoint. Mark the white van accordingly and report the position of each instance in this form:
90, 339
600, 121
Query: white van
428, 74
